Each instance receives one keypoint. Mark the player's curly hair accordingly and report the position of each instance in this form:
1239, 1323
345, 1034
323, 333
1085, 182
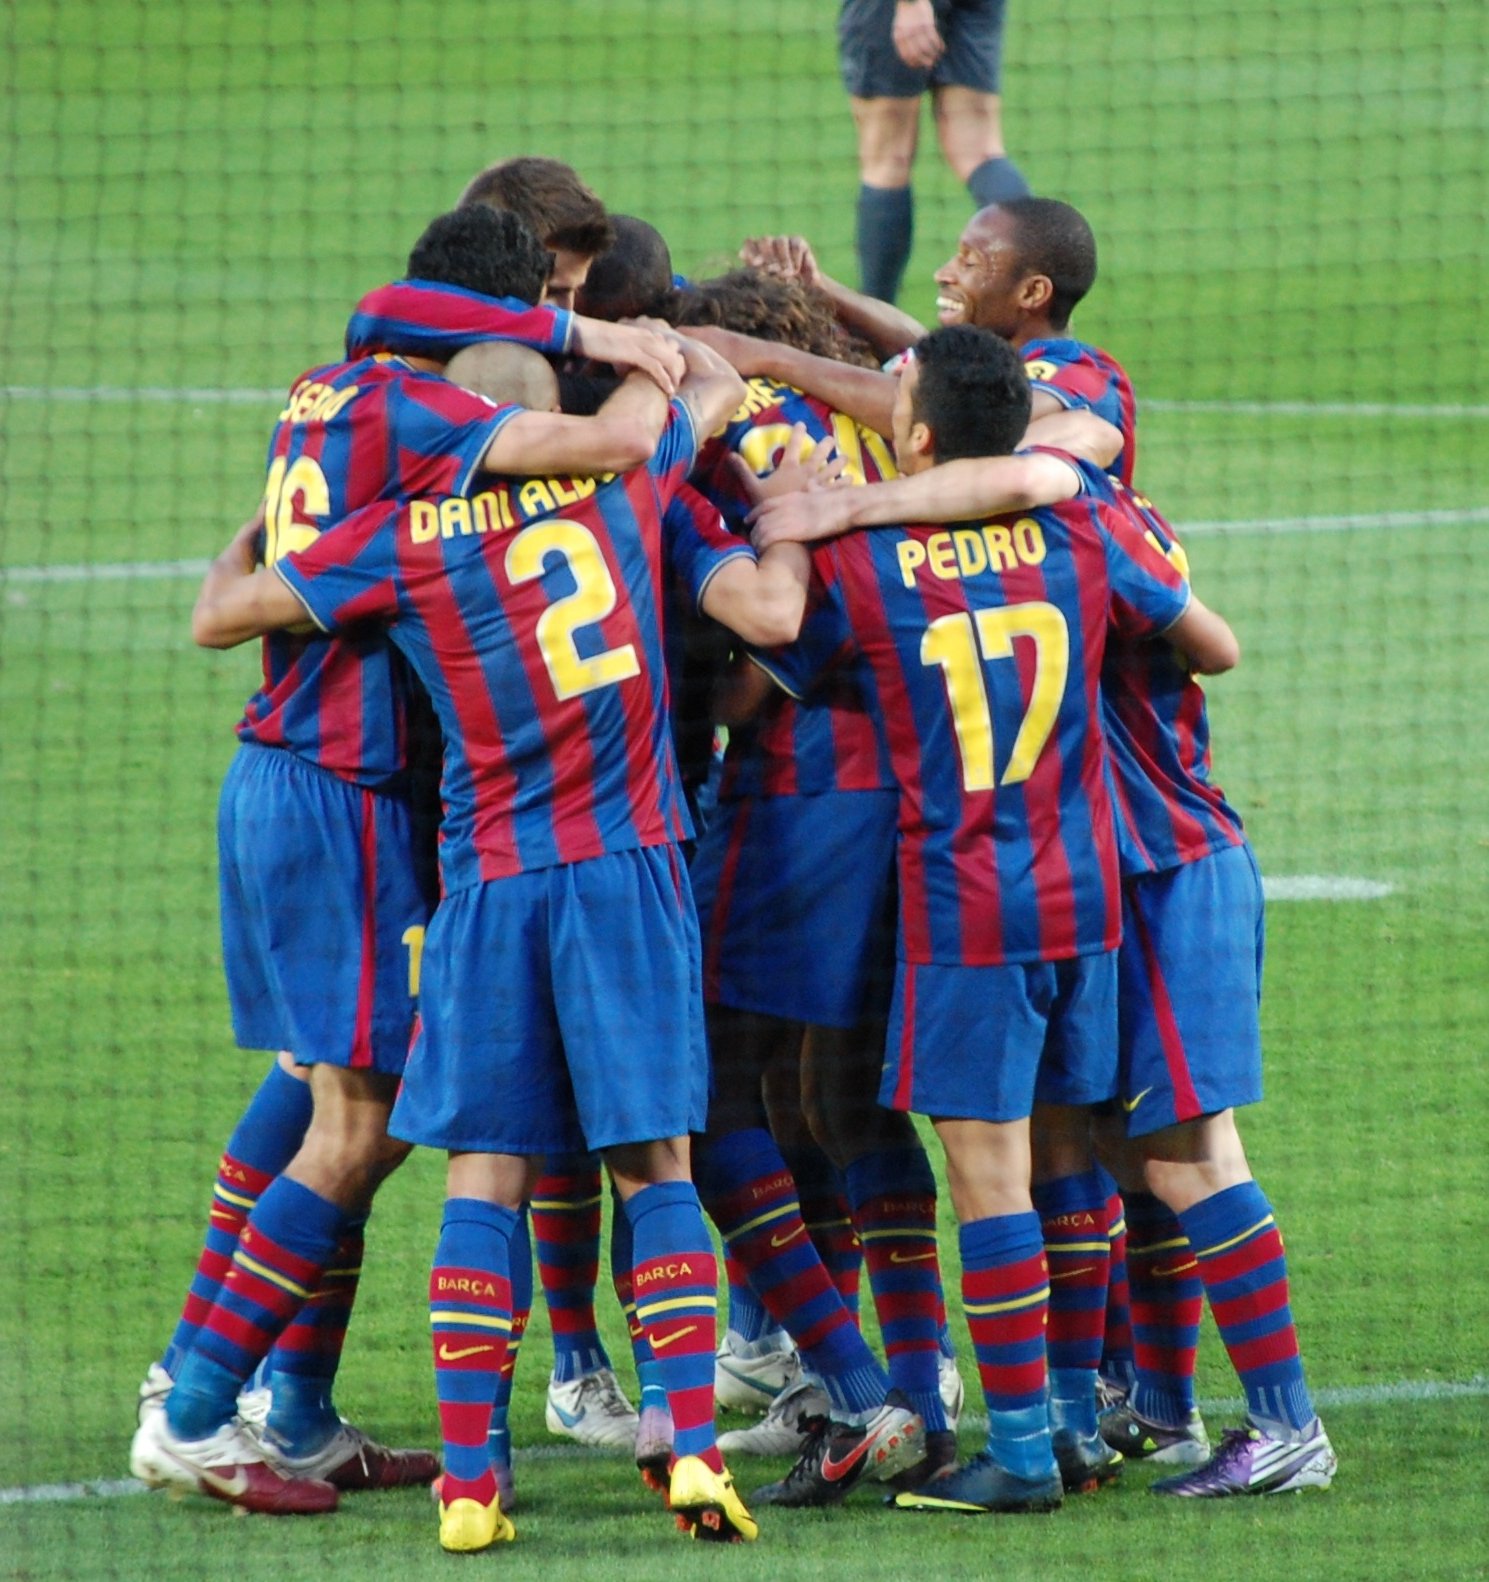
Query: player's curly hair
971, 392
482, 250
751, 302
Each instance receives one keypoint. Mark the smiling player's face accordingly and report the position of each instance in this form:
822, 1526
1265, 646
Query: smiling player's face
981, 282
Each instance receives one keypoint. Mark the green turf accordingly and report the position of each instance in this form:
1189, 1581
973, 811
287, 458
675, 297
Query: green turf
1291, 207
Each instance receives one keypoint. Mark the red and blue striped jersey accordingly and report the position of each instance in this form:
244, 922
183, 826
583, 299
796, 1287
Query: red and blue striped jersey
1085, 377
351, 434
531, 612
1169, 811
983, 644
826, 743
422, 318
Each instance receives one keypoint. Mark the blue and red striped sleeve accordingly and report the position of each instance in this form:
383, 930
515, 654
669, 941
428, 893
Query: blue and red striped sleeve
1085, 378
696, 543
1148, 592
441, 433
422, 318
826, 639
350, 573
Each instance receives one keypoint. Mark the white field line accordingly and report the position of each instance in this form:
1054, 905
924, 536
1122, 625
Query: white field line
241, 396
1381, 521
1409, 1391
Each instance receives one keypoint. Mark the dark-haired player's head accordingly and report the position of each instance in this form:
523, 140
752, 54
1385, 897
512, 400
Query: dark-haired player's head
1019, 269
505, 371
568, 218
963, 393
751, 302
482, 250
632, 277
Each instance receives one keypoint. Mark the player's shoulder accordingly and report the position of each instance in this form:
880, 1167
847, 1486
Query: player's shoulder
1046, 356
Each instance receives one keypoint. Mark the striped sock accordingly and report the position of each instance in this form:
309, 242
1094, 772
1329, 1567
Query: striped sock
266, 1138
828, 1219
1006, 1292
623, 1277
1072, 1214
566, 1235
676, 1281
520, 1265
306, 1356
748, 1319
1244, 1269
752, 1199
470, 1314
1116, 1347
893, 1193
287, 1242
1168, 1299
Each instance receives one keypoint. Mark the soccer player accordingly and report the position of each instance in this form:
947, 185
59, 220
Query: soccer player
530, 613
980, 650
322, 911
891, 52
1190, 1053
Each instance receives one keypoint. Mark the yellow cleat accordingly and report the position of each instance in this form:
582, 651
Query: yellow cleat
466, 1526
707, 1506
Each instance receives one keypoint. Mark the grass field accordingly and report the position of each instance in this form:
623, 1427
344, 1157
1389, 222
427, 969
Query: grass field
1292, 210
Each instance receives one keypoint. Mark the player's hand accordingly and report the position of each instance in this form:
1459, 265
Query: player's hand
802, 518
917, 39
788, 257
627, 346
247, 545
803, 467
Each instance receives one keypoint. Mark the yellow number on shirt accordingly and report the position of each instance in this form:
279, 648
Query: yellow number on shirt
293, 488
592, 600
960, 647
413, 937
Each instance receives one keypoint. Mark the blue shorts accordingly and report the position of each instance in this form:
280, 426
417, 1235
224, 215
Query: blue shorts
1189, 990
972, 31
796, 901
987, 1043
322, 913
560, 1010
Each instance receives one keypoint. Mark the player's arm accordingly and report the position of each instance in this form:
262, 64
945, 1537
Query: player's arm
741, 693
711, 389
863, 394
952, 491
761, 601
240, 599
888, 329
1205, 639
1079, 432
621, 435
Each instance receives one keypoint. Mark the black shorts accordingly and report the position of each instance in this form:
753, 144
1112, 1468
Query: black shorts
972, 30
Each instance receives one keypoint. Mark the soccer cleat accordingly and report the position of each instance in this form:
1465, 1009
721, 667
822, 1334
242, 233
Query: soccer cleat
980, 1488
837, 1455
353, 1461
229, 1465
940, 1453
654, 1446
153, 1391
1110, 1393
254, 1405
593, 1410
707, 1505
747, 1381
784, 1429
1252, 1462
467, 1526
953, 1391
1086, 1464
1140, 1440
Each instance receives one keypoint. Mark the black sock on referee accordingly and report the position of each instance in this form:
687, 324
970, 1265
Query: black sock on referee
996, 181
886, 226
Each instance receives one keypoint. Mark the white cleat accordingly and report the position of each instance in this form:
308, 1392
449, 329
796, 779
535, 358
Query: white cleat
785, 1428
228, 1465
749, 1374
153, 1391
593, 1410
953, 1391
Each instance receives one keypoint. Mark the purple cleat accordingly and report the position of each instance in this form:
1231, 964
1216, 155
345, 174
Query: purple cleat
1252, 1462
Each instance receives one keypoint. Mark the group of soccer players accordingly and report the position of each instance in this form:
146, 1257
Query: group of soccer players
962, 856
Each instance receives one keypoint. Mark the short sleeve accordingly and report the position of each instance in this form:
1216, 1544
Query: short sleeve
350, 573
424, 318
697, 543
441, 433
1148, 591
675, 454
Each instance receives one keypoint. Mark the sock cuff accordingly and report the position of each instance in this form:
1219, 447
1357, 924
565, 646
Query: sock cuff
1069, 1194
299, 1219
661, 1195
723, 1162
996, 180
1233, 1211
898, 1172
477, 1211
889, 199
1001, 1239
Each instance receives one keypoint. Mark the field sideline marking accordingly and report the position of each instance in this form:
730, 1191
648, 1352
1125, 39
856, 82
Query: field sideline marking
1345, 1396
1380, 521
243, 396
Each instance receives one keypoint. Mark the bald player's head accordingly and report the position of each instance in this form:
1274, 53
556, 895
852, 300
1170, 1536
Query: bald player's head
503, 371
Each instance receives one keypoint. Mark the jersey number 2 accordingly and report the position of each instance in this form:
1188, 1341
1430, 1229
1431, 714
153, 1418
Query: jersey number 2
593, 598
960, 644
